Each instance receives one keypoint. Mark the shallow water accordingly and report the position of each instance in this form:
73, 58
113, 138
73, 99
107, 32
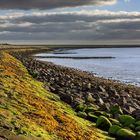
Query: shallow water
124, 67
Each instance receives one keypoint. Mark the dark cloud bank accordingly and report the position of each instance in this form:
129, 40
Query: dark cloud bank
48, 4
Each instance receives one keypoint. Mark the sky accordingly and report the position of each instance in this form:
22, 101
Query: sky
69, 21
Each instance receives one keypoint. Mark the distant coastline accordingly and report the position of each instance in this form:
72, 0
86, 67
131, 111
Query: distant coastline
79, 46
92, 46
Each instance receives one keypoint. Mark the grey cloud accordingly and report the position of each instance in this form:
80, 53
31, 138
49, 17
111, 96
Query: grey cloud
75, 16
48, 4
72, 26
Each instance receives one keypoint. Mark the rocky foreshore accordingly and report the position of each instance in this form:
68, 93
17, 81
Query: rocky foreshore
87, 93
78, 86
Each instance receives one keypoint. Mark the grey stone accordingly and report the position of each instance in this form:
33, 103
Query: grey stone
101, 102
124, 101
89, 98
136, 114
66, 98
102, 89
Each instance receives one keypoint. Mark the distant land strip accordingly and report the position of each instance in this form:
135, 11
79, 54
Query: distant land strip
72, 57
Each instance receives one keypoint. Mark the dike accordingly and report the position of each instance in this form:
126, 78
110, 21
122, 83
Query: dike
113, 106
29, 112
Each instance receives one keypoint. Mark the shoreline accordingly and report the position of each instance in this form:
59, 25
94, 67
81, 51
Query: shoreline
76, 84
92, 98
92, 74
62, 50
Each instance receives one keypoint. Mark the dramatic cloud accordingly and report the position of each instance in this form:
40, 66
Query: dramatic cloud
48, 4
78, 25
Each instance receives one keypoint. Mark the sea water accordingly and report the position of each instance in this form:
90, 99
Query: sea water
124, 67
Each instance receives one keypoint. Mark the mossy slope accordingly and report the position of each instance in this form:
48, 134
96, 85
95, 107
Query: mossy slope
29, 111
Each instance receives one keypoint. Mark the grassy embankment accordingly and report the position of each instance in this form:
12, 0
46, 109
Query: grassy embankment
29, 111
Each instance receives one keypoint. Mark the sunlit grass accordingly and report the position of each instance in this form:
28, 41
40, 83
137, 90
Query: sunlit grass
31, 110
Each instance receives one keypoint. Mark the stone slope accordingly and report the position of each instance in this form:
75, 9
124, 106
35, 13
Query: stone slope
29, 112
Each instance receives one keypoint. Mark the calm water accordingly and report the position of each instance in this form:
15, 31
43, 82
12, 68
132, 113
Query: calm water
125, 66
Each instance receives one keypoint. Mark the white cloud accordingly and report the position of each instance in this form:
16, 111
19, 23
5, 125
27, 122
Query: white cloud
75, 25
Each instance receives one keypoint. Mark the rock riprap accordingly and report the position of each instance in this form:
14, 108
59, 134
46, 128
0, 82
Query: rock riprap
81, 87
113, 106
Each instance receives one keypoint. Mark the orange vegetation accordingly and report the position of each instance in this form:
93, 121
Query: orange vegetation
29, 106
